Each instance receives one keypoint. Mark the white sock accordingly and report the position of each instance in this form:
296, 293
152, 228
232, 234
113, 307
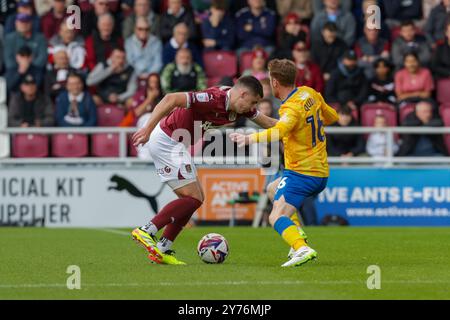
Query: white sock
164, 244
150, 228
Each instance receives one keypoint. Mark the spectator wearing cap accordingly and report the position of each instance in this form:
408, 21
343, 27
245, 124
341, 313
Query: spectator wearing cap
141, 8
422, 145
345, 22
308, 73
115, 79
68, 40
259, 65
180, 39
25, 36
177, 13
75, 107
413, 82
57, 73
369, 48
327, 50
348, 85
51, 21
30, 107
16, 75
101, 43
302, 8
410, 41
441, 57
183, 75
24, 7
218, 28
256, 26
437, 21
381, 86
144, 50
292, 32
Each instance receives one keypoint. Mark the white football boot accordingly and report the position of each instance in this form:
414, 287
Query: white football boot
301, 256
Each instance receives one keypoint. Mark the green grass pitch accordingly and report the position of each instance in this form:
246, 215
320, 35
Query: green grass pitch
414, 263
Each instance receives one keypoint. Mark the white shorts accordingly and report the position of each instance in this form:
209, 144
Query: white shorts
172, 160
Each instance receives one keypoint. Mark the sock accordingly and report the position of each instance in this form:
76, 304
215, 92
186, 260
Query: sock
175, 211
164, 244
295, 219
150, 228
289, 232
172, 230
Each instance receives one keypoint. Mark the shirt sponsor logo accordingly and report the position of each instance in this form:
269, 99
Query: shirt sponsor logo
202, 97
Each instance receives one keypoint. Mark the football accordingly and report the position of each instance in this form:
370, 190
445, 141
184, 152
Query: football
213, 248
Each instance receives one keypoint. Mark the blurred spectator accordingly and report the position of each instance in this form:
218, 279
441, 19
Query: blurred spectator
75, 106
428, 6
72, 43
267, 90
441, 57
348, 85
51, 21
401, 10
25, 36
345, 145
437, 21
175, 14
319, 5
56, 76
7, 8
369, 48
410, 41
89, 18
265, 107
309, 73
115, 79
381, 86
420, 145
184, 74
218, 28
413, 82
292, 31
365, 18
180, 40
15, 75
102, 42
29, 107
327, 50
259, 65
302, 8
377, 144
144, 50
236, 5
345, 22
141, 8
255, 26
24, 7
143, 101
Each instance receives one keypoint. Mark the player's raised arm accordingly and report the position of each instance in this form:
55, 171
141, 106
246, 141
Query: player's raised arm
330, 115
163, 108
264, 121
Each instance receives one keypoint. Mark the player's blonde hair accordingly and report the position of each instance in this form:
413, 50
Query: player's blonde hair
284, 71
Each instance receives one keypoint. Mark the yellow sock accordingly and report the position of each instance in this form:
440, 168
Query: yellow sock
290, 233
295, 219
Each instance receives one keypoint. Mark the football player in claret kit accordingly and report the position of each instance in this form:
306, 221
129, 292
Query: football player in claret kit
303, 115
175, 114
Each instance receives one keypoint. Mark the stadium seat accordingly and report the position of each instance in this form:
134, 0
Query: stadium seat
444, 110
30, 146
370, 110
105, 145
443, 90
68, 145
405, 110
219, 64
245, 61
109, 115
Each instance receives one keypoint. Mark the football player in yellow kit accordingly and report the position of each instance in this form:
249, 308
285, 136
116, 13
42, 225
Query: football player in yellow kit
303, 115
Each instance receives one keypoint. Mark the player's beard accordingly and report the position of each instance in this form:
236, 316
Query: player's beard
184, 69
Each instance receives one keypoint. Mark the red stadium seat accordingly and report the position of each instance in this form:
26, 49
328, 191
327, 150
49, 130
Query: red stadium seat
245, 61
405, 110
105, 145
445, 115
219, 64
370, 110
30, 146
70, 145
443, 90
109, 115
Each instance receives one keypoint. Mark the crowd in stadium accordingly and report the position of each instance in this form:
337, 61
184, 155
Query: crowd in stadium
129, 53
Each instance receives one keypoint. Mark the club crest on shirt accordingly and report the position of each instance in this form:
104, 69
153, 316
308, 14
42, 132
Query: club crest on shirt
188, 168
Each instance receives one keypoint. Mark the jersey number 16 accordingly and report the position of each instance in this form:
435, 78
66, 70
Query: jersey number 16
312, 121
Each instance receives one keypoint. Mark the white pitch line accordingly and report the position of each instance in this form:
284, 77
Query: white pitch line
119, 232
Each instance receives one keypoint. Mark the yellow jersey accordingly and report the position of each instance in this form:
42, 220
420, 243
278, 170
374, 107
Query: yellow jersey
303, 115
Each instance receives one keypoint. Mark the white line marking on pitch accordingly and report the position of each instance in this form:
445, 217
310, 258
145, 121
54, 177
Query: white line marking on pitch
119, 232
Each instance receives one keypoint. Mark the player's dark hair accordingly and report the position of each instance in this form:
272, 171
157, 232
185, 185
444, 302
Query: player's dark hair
345, 110
74, 74
411, 53
251, 83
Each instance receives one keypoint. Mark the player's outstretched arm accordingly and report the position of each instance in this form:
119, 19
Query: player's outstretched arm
163, 108
264, 121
